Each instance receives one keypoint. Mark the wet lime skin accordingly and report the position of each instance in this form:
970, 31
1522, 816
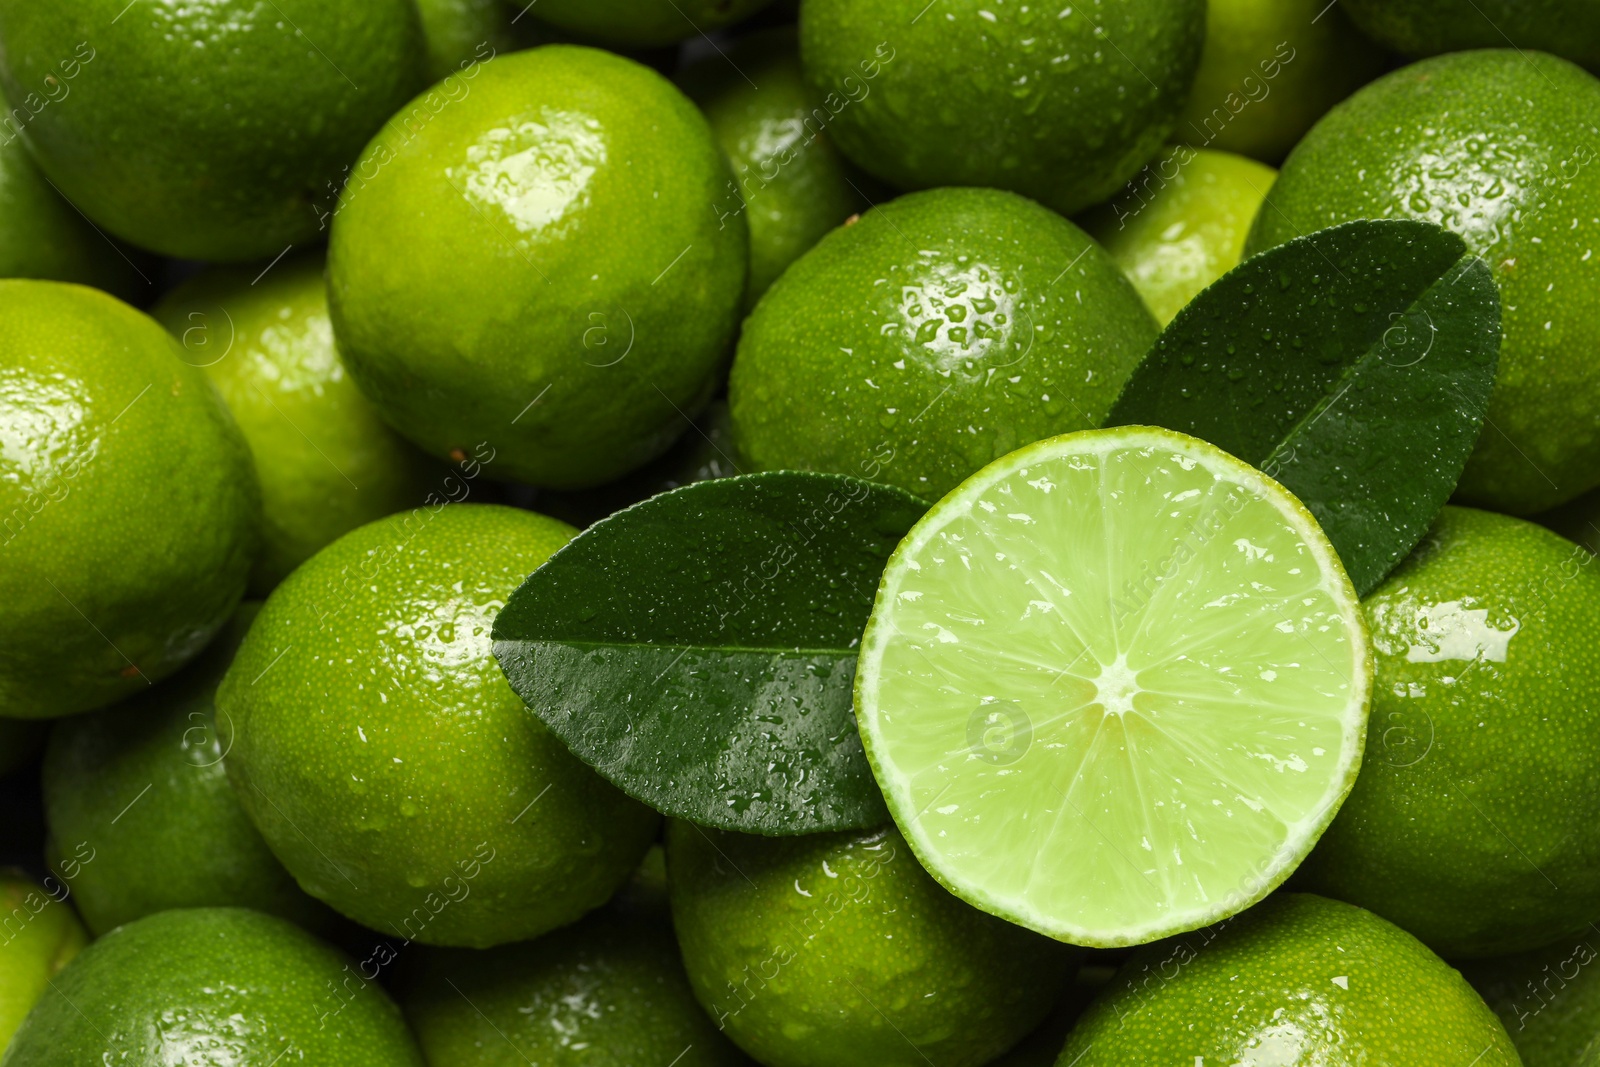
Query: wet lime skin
1013, 94
1567, 28
792, 184
325, 460
142, 785
1475, 824
841, 949
943, 330
1185, 228
213, 986
1504, 149
386, 760
129, 511
1297, 979
214, 131
606, 992
531, 256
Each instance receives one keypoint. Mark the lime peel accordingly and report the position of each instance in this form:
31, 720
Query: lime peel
1196, 665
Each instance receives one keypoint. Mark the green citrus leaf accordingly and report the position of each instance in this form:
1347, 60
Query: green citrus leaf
1353, 365
699, 649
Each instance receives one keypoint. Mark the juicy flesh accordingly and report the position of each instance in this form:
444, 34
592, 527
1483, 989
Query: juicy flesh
1118, 691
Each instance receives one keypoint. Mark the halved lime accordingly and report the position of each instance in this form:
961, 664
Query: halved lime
1114, 686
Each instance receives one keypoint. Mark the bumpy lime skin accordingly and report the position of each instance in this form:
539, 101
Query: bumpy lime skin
213, 985
836, 949
792, 184
532, 256
214, 131
1567, 28
943, 330
41, 936
607, 992
1503, 148
143, 788
1475, 824
387, 761
1270, 70
128, 506
325, 460
1548, 999
43, 236
643, 23
463, 32
1184, 227
1297, 979
1059, 103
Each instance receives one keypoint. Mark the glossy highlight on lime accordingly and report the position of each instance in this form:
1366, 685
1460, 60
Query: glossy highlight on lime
937, 333
381, 753
325, 460
1474, 824
129, 510
840, 949
1059, 103
206, 131
537, 265
227, 985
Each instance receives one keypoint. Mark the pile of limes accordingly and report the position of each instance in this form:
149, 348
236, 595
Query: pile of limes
330, 330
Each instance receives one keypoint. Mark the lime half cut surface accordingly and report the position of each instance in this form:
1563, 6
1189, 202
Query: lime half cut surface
1114, 686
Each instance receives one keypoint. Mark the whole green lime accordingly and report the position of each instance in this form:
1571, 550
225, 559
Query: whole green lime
541, 267
793, 186
1176, 234
1568, 28
1548, 999
1299, 980
460, 33
43, 236
1503, 148
128, 507
213, 986
143, 786
1270, 70
642, 23
41, 935
325, 461
386, 760
943, 330
607, 992
1475, 824
839, 949
1062, 103
213, 131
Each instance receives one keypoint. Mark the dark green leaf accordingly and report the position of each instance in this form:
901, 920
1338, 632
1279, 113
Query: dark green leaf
1353, 365
699, 649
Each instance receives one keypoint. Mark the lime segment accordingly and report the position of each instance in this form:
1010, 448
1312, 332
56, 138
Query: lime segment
1114, 686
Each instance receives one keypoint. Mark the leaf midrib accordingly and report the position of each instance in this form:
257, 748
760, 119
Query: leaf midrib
1357, 366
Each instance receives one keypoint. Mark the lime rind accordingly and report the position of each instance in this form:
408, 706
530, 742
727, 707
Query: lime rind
1117, 722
